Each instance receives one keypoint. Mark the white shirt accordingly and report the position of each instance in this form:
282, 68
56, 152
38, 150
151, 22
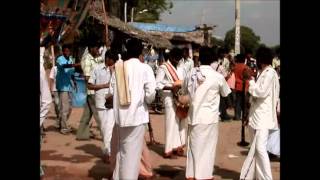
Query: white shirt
88, 62
53, 74
163, 80
100, 75
265, 96
219, 69
42, 49
45, 95
142, 88
205, 102
225, 63
187, 63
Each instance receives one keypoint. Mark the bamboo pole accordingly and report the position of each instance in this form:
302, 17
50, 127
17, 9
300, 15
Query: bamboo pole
106, 22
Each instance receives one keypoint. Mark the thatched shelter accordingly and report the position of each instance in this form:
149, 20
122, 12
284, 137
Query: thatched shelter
76, 11
182, 34
117, 24
196, 37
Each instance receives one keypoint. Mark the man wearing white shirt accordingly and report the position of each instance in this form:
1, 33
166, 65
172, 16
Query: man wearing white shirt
132, 90
204, 116
186, 60
217, 65
262, 117
54, 92
99, 81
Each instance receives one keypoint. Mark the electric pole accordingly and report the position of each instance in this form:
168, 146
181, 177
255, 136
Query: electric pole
237, 28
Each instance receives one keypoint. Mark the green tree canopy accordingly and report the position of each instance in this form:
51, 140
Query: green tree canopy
152, 12
217, 42
248, 39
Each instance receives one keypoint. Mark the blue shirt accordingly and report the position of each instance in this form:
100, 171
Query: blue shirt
63, 78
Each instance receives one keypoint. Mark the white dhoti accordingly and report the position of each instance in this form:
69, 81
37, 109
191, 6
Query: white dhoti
257, 164
175, 129
201, 150
273, 145
107, 122
130, 150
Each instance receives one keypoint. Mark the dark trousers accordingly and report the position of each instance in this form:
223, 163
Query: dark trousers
232, 99
90, 109
223, 107
239, 105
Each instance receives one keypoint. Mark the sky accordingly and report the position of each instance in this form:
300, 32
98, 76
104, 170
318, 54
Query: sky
263, 16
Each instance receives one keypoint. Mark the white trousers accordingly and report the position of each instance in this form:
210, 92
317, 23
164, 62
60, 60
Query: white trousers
107, 122
45, 96
175, 129
257, 164
273, 145
201, 150
130, 150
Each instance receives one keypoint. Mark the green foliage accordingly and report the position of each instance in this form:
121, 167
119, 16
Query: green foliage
248, 39
91, 31
154, 7
217, 42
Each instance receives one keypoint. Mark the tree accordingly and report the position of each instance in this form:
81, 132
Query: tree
248, 39
217, 42
276, 49
152, 12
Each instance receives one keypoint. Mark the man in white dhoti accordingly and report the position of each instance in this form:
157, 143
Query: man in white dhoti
205, 86
175, 128
99, 82
262, 117
45, 95
133, 88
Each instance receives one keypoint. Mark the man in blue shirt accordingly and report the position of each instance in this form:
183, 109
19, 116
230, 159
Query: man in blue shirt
65, 83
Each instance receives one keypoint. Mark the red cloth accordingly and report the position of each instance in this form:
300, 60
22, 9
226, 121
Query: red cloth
238, 72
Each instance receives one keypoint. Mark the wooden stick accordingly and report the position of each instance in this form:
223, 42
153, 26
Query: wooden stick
106, 22
53, 56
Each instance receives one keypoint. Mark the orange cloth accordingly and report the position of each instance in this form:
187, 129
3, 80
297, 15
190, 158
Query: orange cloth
238, 72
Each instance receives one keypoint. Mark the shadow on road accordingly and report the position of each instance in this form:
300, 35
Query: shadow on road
100, 170
226, 173
169, 171
91, 149
49, 155
157, 148
244, 153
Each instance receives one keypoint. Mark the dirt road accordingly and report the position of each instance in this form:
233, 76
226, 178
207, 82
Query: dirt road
65, 158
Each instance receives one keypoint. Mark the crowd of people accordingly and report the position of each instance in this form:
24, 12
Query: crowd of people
196, 89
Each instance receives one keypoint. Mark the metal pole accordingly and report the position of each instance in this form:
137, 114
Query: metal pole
132, 12
237, 28
125, 12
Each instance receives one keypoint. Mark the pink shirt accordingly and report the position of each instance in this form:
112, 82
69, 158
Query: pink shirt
232, 81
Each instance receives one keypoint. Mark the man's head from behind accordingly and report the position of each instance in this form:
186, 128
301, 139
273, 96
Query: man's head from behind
185, 53
175, 55
240, 58
134, 48
264, 56
206, 55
